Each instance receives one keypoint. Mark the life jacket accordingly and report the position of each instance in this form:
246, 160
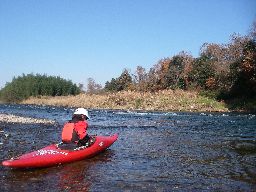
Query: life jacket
81, 129
68, 133
74, 131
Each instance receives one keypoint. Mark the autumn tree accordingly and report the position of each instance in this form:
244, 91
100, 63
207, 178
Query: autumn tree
220, 64
243, 71
171, 72
227, 70
187, 60
123, 82
179, 67
201, 72
93, 87
162, 69
140, 79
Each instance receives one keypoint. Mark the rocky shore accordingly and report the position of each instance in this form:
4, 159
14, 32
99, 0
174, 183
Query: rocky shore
8, 118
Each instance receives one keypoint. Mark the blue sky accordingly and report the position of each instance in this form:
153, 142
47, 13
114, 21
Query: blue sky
78, 39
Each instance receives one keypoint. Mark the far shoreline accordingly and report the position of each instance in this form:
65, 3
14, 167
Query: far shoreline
162, 101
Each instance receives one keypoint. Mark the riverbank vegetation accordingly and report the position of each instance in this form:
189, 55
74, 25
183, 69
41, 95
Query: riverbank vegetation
164, 100
221, 73
25, 86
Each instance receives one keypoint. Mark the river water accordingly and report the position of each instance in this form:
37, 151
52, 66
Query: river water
155, 151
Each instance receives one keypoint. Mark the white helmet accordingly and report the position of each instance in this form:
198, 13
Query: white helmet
81, 111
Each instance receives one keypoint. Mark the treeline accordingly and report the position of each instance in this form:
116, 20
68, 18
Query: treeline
224, 71
22, 87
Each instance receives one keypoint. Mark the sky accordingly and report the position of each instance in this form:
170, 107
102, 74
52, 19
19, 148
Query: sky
81, 39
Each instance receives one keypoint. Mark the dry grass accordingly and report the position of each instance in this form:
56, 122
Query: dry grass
167, 100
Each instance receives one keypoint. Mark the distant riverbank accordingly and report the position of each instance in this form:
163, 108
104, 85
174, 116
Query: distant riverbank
166, 100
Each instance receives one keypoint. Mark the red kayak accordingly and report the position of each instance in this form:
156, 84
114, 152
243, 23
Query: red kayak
53, 154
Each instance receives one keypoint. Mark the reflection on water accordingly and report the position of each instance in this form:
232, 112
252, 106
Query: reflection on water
155, 152
79, 176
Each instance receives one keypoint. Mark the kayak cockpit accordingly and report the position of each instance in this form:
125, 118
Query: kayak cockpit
74, 146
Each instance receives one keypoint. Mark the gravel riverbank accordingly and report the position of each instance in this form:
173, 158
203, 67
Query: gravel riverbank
8, 118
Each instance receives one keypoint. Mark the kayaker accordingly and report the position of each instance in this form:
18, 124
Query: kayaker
75, 130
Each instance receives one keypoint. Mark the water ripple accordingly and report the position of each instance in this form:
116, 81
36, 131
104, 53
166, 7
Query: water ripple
155, 151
